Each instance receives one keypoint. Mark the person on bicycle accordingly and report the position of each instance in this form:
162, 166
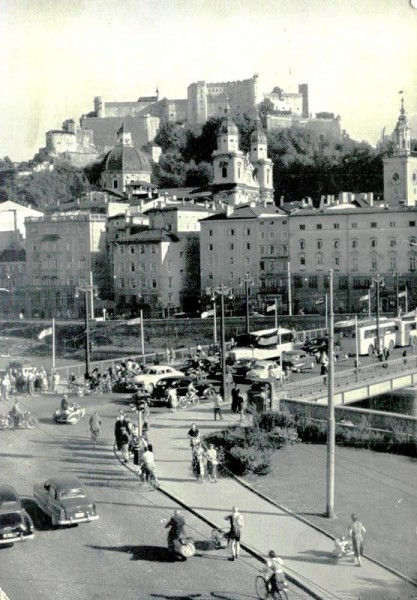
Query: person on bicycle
191, 391
148, 462
95, 424
275, 573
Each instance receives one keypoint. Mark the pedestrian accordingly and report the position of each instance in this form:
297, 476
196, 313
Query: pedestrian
405, 357
194, 437
124, 440
212, 462
217, 407
356, 532
118, 426
5, 387
172, 399
235, 395
31, 382
198, 462
242, 408
234, 534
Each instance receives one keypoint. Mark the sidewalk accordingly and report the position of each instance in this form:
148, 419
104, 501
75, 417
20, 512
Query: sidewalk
307, 553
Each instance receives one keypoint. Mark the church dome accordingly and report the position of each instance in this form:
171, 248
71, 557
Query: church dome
258, 137
127, 159
228, 127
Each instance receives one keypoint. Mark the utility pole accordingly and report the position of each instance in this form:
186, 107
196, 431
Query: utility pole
331, 428
378, 280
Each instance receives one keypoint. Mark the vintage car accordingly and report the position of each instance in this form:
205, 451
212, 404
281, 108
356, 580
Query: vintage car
151, 375
160, 391
297, 361
264, 369
316, 345
65, 500
15, 523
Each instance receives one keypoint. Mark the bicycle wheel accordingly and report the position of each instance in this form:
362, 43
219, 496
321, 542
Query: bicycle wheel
261, 587
31, 423
283, 595
216, 536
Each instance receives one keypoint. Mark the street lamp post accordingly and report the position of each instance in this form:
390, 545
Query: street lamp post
289, 288
222, 291
378, 281
247, 281
397, 291
331, 427
88, 290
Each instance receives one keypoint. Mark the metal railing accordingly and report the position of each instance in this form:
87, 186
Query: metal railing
349, 378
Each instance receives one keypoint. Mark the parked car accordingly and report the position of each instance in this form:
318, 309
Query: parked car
297, 361
151, 375
264, 369
65, 501
181, 384
315, 345
240, 367
15, 523
125, 387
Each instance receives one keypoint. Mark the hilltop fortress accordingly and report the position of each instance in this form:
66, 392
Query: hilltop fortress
95, 134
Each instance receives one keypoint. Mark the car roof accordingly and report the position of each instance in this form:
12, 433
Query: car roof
264, 363
8, 494
65, 482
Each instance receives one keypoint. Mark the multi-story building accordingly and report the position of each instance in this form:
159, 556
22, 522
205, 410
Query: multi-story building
356, 238
12, 278
157, 268
61, 252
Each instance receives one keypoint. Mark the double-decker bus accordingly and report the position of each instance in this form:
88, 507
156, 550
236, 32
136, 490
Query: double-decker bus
265, 344
361, 336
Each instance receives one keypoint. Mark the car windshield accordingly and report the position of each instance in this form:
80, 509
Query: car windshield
149, 371
72, 493
10, 520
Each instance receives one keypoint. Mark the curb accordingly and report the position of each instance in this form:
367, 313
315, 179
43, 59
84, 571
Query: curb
248, 549
319, 529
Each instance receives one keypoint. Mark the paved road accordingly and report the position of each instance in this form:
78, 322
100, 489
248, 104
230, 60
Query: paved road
123, 554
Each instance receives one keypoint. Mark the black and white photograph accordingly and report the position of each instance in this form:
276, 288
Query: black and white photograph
208, 300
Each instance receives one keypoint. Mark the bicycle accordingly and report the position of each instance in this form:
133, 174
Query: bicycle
150, 478
219, 537
264, 591
188, 399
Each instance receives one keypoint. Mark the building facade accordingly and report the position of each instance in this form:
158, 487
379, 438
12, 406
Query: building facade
61, 252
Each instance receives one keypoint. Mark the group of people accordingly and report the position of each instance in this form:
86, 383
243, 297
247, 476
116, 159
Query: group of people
135, 445
28, 381
203, 460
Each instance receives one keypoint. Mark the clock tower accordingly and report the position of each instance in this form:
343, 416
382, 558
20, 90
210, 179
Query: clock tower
400, 170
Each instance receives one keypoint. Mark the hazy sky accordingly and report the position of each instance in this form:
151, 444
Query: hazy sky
55, 56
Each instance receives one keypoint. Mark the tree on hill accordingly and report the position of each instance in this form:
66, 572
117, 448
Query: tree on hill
48, 188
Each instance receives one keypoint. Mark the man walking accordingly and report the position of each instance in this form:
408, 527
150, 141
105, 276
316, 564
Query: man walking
217, 408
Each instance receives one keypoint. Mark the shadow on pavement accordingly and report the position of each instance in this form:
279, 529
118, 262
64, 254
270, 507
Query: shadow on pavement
148, 553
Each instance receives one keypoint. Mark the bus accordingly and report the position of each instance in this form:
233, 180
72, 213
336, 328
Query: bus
345, 335
265, 344
406, 330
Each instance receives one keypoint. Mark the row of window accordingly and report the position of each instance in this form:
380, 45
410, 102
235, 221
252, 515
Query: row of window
373, 225
272, 235
353, 244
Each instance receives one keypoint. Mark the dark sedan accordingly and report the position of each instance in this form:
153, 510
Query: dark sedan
181, 384
65, 500
15, 523
315, 345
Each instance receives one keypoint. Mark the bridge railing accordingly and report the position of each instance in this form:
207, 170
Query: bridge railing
349, 378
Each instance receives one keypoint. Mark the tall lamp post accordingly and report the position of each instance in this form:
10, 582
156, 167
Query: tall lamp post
331, 427
222, 290
247, 281
378, 281
89, 290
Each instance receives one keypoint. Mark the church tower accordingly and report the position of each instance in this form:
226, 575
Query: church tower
261, 162
400, 170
